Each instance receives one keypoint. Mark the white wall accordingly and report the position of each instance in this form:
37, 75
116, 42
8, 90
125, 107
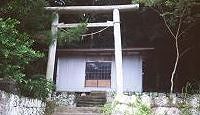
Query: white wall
71, 73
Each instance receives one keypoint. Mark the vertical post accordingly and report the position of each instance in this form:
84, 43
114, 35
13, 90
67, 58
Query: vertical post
52, 49
118, 51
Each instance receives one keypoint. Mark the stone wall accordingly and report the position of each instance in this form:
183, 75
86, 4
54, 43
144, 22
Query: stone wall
67, 99
159, 103
11, 104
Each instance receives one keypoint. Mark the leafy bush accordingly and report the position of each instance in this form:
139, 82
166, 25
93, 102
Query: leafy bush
30, 13
107, 109
192, 88
15, 50
127, 105
15, 54
39, 87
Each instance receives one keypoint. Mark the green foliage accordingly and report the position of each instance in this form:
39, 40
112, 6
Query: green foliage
15, 54
143, 109
125, 105
146, 2
107, 109
36, 21
185, 108
191, 88
15, 49
30, 13
72, 35
39, 87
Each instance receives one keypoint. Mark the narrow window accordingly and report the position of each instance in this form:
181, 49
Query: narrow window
98, 74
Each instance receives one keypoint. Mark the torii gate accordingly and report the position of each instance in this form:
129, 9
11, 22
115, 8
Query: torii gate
90, 9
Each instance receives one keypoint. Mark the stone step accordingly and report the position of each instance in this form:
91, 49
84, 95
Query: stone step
92, 97
77, 113
74, 110
92, 100
90, 103
95, 98
98, 93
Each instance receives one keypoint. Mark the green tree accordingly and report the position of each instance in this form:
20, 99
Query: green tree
15, 53
21, 23
178, 17
15, 49
36, 21
31, 14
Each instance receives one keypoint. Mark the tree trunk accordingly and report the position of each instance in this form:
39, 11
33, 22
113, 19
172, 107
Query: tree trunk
175, 66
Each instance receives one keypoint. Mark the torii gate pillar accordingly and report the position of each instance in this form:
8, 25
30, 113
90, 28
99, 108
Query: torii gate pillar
118, 51
52, 48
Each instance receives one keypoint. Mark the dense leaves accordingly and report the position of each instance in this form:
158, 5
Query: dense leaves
36, 88
15, 54
30, 13
71, 36
15, 49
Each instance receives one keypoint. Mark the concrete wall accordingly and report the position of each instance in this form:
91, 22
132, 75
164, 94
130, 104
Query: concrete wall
71, 73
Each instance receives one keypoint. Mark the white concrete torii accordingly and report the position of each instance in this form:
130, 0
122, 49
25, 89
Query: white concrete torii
90, 9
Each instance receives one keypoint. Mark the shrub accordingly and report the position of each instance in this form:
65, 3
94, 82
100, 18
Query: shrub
127, 105
38, 87
15, 54
15, 50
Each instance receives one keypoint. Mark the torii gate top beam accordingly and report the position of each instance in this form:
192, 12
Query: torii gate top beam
93, 9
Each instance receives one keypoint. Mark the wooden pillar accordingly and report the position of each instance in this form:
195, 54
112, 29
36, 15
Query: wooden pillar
52, 48
118, 51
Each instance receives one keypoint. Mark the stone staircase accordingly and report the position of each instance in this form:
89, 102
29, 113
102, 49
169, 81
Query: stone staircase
86, 105
77, 111
94, 99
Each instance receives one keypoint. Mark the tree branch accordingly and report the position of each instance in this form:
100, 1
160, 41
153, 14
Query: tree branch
188, 28
185, 51
167, 25
179, 25
163, 18
178, 29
